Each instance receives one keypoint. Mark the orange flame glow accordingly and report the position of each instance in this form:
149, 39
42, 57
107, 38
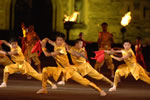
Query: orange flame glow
24, 32
126, 19
71, 18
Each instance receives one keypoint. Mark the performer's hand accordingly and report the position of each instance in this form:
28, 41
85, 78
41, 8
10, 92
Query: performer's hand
55, 53
112, 51
107, 51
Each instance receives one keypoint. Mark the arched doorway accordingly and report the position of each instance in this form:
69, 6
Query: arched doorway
34, 12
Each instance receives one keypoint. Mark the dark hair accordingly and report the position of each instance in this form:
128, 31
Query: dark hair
13, 39
104, 23
138, 38
78, 40
127, 41
81, 33
58, 34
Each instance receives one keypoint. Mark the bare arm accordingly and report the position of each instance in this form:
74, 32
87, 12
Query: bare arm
121, 58
112, 51
13, 53
2, 52
6, 43
51, 42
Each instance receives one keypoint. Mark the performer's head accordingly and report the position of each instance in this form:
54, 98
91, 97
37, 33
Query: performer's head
127, 44
81, 35
31, 28
14, 42
138, 39
60, 39
104, 27
78, 43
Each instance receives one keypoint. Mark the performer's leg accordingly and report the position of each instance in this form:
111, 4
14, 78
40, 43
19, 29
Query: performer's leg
37, 62
46, 72
78, 78
32, 72
109, 64
10, 69
143, 76
96, 75
98, 66
120, 72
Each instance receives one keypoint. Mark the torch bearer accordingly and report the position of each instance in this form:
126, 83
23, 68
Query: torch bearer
69, 21
126, 19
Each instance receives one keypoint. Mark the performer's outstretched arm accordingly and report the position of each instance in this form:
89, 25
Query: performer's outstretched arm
44, 49
121, 58
49, 41
3, 52
6, 43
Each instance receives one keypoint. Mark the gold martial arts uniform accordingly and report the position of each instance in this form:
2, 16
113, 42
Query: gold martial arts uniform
131, 66
104, 42
85, 68
69, 71
20, 66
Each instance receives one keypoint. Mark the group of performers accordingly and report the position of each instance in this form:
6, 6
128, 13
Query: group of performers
21, 61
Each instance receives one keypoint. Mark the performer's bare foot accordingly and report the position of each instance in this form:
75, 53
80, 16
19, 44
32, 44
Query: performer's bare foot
103, 93
3, 85
42, 91
61, 83
112, 89
54, 86
29, 77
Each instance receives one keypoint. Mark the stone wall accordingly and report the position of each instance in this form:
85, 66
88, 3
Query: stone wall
93, 13
111, 11
4, 14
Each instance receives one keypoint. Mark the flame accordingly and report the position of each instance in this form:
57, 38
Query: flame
126, 19
24, 32
71, 18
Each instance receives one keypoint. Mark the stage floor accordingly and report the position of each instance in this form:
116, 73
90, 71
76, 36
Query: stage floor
19, 88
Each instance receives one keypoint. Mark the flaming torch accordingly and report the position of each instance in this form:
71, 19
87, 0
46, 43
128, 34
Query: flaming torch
69, 21
126, 19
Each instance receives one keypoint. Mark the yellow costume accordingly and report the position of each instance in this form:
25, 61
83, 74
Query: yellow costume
130, 66
69, 71
20, 66
104, 42
85, 68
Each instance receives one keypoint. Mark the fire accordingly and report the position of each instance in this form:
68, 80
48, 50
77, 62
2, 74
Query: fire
23, 29
24, 32
126, 19
71, 18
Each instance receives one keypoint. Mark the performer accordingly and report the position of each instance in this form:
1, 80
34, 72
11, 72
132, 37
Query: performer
130, 66
60, 55
30, 41
78, 56
20, 64
105, 41
139, 55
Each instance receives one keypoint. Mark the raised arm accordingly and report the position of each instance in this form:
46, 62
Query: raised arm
6, 43
51, 42
44, 49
